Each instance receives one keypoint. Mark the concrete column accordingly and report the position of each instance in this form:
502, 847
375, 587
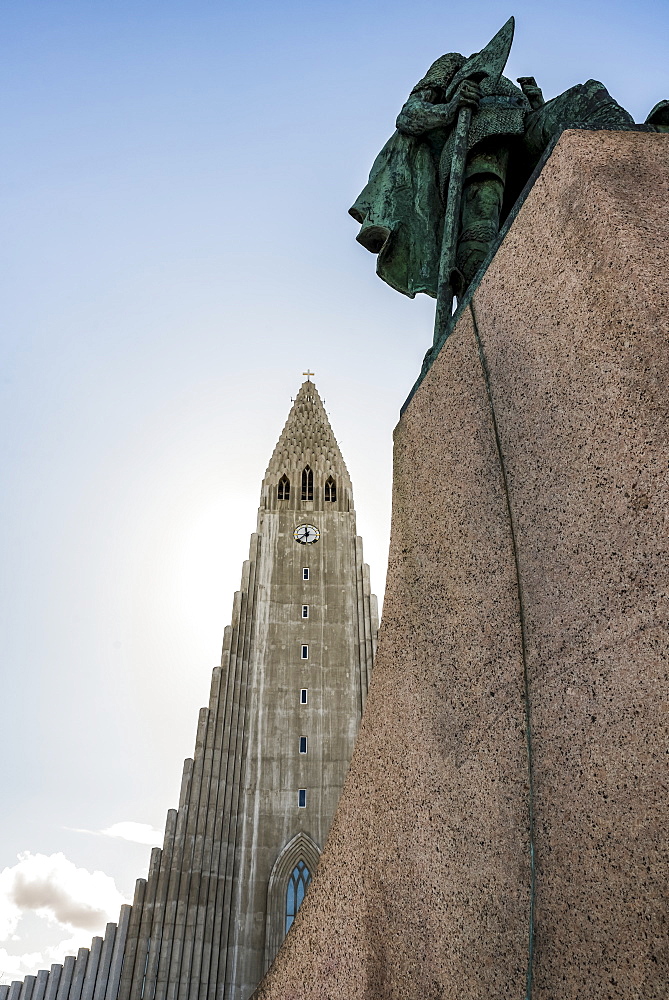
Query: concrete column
371, 626
374, 611
91, 969
212, 927
130, 950
143, 934
156, 912
28, 987
365, 620
79, 974
66, 978
173, 883
54, 980
186, 866
4, 992
105, 962
359, 621
225, 652
116, 965
211, 849
222, 952
204, 846
41, 984
15, 990
180, 983
225, 885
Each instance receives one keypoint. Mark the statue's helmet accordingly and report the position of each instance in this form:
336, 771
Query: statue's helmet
441, 72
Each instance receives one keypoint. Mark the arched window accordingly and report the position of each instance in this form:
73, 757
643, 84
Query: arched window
283, 489
307, 484
283, 881
297, 886
330, 490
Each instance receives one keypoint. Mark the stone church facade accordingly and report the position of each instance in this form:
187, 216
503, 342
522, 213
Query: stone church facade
272, 751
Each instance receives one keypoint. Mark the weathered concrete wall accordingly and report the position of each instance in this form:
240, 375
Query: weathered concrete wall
518, 708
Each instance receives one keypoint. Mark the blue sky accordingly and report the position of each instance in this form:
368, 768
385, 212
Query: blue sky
175, 179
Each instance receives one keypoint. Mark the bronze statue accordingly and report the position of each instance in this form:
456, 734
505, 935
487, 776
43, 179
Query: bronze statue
466, 143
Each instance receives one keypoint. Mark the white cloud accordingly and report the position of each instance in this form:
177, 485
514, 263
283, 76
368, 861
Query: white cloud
19, 966
138, 833
10, 914
54, 888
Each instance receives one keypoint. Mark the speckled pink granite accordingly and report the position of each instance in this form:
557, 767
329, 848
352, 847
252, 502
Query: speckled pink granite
528, 570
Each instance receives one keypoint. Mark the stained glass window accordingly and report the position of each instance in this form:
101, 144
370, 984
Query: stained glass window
297, 886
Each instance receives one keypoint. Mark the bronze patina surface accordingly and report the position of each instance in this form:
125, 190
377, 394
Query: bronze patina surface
467, 141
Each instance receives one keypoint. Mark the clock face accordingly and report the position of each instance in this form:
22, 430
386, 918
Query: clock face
305, 534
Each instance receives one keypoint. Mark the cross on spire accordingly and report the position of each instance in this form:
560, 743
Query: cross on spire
308, 374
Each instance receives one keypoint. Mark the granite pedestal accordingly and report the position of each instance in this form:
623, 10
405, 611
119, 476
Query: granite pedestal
503, 828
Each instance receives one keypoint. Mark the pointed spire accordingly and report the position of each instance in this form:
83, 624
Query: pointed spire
307, 439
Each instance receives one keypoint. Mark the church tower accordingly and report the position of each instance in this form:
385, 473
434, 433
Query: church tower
271, 754
273, 746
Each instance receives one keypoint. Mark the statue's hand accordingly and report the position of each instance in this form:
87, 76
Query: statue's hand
532, 92
467, 95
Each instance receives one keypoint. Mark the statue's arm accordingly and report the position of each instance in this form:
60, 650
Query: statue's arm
419, 116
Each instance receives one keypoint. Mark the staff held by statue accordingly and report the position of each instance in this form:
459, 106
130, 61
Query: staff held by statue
489, 62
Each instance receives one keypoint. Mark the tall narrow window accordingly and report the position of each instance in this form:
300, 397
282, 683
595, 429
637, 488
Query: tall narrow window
303, 744
303, 696
302, 798
297, 886
283, 489
305, 573
305, 652
307, 483
305, 610
330, 490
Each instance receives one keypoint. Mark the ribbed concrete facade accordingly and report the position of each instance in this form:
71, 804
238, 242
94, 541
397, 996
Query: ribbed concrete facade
93, 974
272, 751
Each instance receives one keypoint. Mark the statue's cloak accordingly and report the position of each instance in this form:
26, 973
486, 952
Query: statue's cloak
401, 209
401, 214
